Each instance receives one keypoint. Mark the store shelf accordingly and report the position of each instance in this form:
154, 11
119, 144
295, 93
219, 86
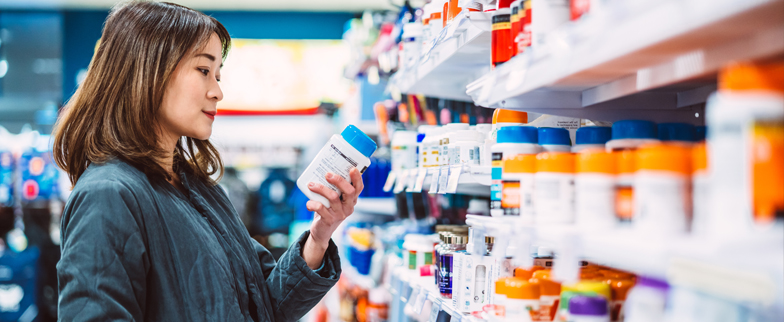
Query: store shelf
427, 284
459, 55
752, 263
376, 206
473, 180
643, 59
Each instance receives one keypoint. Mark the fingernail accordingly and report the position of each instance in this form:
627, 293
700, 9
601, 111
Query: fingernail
311, 184
329, 176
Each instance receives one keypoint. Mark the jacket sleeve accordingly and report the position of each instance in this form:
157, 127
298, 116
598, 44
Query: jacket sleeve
102, 272
294, 287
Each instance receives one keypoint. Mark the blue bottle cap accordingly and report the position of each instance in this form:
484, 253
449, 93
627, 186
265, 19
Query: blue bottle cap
633, 129
420, 137
700, 133
554, 136
588, 305
676, 132
593, 135
517, 134
359, 140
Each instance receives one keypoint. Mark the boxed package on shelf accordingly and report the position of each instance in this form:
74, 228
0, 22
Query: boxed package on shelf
473, 281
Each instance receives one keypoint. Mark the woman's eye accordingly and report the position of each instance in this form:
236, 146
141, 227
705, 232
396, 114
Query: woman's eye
204, 71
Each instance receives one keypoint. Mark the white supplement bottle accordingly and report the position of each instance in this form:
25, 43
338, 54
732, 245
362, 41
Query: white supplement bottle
554, 188
594, 185
421, 149
465, 147
662, 195
351, 149
512, 140
449, 133
404, 150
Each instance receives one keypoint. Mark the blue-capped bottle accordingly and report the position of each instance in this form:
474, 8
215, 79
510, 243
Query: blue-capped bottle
351, 149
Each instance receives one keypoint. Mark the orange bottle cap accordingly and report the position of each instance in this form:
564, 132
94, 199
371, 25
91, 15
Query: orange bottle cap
500, 285
520, 163
590, 275
562, 162
435, 15
542, 274
616, 274
548, 287
699, 157
665, 157
595, 161
526, 273
747, 76
625, 161
509, 116
522, 290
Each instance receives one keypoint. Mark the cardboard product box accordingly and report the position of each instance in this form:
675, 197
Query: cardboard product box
473, 282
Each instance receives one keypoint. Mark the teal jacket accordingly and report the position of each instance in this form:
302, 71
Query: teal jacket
141, 250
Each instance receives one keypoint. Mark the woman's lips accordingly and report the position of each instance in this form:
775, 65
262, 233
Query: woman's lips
211, 115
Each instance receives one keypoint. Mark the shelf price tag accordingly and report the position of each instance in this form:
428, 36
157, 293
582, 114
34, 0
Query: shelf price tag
434, 311
401, 182
411, 182
420, 180
420, 301
443, 180
454, 177
390, 181
435, 173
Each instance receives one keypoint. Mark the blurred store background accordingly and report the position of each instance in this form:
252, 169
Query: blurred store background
442, 79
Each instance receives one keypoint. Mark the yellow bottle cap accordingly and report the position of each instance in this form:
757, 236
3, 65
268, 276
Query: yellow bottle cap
561, 162
589, 287
665, 157
746, 76
595, 161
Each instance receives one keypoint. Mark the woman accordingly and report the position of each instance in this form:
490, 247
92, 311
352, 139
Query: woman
147, 235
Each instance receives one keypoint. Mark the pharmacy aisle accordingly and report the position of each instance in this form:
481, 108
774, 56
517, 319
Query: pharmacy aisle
582, 161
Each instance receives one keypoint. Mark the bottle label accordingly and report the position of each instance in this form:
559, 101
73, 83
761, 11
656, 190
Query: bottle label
510, 199
445, 274
496, 184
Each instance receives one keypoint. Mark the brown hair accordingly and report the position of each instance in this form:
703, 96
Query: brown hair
114, 112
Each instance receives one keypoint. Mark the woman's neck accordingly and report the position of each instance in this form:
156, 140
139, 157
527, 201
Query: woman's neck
168, 142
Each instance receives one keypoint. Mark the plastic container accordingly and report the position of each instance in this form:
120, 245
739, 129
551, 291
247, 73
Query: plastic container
351, 149
450, 132
554, 187
661, 188
588, 309
620, 288
512, 140
419, 250
595, 189
404, 150
522, 300
501, 46
746, 147
591, 137
431, 147
627, 136
646, 301
589, 288
465, 148
454, 244
700, 189
549, 15
678, 132
421, 150
500, 292
412, 44
526, 34
549, 298
554, 139
518, 13
511, 192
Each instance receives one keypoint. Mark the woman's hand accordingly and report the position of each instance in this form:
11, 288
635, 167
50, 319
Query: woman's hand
326, 220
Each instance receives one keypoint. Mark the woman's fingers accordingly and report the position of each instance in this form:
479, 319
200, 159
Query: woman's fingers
324, 212
331, 195
356, 178
347, 189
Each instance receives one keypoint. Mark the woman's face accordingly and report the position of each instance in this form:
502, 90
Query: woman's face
191, 97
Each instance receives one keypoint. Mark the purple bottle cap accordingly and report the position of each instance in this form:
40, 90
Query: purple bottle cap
588, 305
652, 283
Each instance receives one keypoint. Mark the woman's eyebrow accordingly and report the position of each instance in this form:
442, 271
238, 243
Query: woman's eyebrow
208, 56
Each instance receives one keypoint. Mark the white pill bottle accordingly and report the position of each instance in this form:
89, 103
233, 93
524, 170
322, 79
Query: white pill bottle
351, 149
